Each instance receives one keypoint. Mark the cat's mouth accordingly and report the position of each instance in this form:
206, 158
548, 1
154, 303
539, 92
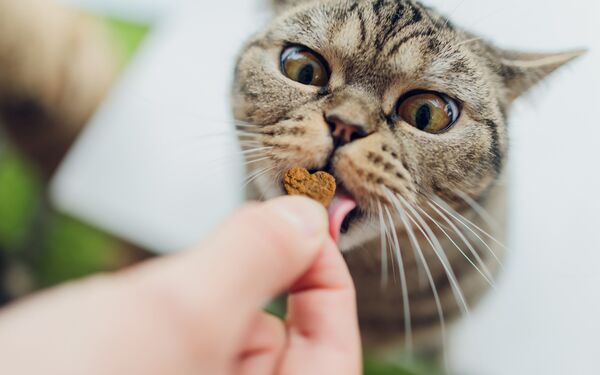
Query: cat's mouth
342, 211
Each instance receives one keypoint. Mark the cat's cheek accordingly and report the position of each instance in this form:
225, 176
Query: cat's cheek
369, 167
302, 140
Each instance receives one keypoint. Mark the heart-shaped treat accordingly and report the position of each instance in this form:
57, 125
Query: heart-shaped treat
319, 186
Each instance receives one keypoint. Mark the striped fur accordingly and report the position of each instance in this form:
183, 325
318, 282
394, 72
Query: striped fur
379, 50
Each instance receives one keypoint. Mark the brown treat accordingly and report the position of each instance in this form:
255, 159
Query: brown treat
319, 186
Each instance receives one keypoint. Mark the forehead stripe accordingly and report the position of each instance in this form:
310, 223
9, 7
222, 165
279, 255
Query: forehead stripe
497, 154
414, 35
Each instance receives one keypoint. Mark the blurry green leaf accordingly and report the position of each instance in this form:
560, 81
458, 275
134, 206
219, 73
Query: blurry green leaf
377, 366
127, 36
73, 250
19, 192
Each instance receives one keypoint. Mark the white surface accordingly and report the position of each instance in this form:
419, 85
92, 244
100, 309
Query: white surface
156, 165
136, 173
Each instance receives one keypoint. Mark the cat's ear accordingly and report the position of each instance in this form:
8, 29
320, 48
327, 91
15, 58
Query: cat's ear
521, 71
283, 5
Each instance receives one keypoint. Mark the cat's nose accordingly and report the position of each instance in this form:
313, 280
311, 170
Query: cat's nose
344, 132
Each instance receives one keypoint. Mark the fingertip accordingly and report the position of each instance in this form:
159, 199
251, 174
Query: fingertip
304, 216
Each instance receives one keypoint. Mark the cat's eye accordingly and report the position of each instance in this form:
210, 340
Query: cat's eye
428, 111
305, 66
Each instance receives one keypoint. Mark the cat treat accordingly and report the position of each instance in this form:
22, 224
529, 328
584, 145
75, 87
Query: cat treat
319, 186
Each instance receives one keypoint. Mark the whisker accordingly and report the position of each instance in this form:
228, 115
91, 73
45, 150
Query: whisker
390, 249
470, 230
256, 175
384, 246
464, 42
232, 132
483, 271
253, 150
419, 253
437, 248
248, 157
403, 285
452, 12
457, 215
253, 161
479, 210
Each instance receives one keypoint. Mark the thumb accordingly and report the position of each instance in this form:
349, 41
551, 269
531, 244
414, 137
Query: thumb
255, 255
264, 248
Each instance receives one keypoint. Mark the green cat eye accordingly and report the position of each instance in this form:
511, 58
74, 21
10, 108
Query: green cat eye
305, 66
428, 111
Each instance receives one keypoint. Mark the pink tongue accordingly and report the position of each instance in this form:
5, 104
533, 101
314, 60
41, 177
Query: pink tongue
339, 208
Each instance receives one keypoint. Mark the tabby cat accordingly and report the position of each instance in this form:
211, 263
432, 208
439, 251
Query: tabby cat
407, 110
409, 113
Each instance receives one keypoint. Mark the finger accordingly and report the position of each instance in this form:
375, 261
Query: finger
264, 346
322, 319
259, 252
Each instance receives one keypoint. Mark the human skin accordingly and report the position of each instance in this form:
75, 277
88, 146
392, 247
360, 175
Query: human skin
200, 312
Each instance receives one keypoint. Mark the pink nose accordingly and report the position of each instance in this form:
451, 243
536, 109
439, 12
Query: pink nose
343, 132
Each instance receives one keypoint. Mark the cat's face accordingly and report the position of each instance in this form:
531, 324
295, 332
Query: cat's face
388, 96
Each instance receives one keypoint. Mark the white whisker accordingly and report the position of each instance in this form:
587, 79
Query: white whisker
464, 42
482, 212
483, 271
451, 14
464, 239
252, 161
456, 215
229, 133
384, 255
253, 150
256, 175
419, 253
460, 217
437, 248
403, 285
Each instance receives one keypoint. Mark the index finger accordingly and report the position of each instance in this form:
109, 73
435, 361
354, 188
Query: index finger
322, 318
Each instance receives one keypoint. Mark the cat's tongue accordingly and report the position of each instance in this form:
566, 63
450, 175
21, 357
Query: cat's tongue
339, 208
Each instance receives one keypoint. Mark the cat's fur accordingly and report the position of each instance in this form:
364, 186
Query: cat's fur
379, 50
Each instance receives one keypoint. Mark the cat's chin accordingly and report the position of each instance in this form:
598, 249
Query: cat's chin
360, 232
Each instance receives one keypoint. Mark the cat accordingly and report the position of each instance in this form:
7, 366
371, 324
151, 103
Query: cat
407, 110
409, 113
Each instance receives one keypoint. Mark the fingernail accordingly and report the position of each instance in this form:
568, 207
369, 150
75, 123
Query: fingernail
305, 215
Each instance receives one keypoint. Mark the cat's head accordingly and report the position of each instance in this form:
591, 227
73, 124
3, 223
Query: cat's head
387, 95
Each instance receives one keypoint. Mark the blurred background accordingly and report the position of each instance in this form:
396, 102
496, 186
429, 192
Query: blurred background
130, 187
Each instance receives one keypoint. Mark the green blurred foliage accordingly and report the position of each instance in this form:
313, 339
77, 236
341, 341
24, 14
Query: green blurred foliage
19, 197
374, 366
72, 250
377, 366
126, 36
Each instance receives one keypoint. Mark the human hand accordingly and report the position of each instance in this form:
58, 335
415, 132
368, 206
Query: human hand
199, 312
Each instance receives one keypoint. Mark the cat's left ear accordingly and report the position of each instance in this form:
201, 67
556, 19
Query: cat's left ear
521, 71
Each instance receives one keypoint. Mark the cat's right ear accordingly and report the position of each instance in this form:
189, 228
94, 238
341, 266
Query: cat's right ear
283, 5
522, 71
